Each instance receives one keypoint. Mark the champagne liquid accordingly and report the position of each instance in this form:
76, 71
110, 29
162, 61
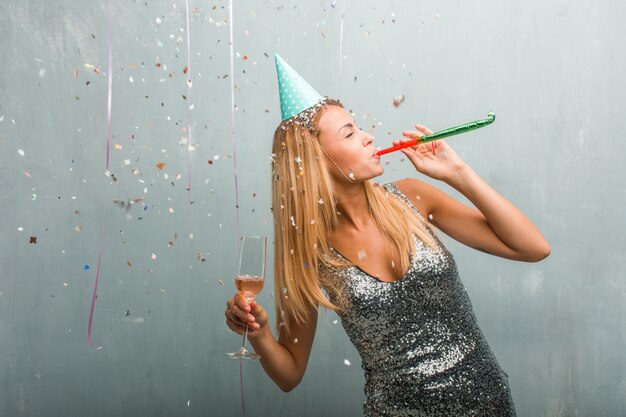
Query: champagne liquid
249, 285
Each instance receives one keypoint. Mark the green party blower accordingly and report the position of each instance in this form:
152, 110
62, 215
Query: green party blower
442, 134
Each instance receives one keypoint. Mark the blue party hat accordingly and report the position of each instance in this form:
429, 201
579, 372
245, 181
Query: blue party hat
296, 95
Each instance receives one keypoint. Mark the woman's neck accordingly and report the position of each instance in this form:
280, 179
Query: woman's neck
353, 206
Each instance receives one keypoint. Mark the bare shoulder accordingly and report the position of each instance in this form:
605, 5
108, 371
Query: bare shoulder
422, 195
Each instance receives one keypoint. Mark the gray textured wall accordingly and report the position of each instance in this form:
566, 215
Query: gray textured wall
553, 71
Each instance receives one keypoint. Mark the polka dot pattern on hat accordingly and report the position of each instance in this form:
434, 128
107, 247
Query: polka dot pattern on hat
296, 95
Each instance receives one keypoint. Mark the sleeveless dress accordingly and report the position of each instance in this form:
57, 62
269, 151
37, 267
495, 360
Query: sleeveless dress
420, 345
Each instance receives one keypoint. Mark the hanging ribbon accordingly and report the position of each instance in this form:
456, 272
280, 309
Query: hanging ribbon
189, 107
108, 146
343, 7
234, 144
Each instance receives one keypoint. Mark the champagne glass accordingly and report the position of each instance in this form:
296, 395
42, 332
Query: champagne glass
249, 280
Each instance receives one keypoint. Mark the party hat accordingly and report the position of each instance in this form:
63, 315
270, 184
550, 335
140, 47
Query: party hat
296, 95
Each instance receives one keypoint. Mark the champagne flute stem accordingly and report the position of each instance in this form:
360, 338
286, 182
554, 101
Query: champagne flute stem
243, 341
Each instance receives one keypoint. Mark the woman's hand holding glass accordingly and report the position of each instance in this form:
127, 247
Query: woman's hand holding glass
249, 280
239, 313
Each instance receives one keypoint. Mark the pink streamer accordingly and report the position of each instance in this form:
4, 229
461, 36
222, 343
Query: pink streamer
110, 82
95, 287
109, 94
341, 45
232, 123
189, 141
232, 116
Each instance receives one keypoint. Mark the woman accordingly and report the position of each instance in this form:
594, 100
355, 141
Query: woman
368, 252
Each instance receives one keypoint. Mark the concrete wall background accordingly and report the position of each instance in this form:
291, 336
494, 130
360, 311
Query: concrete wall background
552, 71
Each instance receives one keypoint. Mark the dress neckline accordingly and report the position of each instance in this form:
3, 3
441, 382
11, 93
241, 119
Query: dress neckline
402, 278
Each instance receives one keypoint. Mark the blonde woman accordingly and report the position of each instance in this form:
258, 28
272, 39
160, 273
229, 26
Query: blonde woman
369, 253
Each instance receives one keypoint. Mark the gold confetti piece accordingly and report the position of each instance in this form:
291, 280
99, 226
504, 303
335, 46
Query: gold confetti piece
118, 146
221, 282
160, 165
78, 228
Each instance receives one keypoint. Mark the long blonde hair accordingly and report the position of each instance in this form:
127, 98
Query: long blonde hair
305, 212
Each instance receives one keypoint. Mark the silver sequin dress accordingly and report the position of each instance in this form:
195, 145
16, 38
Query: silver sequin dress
420, 345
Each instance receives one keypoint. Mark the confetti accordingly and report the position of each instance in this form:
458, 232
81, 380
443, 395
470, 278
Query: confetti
346, 362
362, 254
86, 267
398, 100
33, 239
21, 152
78, 228
153, 257
160, 165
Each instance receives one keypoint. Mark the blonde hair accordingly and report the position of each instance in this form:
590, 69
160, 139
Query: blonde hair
305, 211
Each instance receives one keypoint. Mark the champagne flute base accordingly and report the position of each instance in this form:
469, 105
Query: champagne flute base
242, 354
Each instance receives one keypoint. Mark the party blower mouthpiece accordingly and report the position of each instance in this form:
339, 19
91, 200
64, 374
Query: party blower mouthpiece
442, 134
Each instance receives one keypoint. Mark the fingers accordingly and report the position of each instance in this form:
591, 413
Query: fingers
423, 129
238, 314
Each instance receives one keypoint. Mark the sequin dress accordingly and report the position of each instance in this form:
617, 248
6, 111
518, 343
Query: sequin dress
420, 345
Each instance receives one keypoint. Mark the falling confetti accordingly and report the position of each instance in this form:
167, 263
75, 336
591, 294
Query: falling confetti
398, 100
362, 254
160, 165
33, 239
346, 362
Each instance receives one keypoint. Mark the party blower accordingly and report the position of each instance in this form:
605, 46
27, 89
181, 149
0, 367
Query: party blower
442, 134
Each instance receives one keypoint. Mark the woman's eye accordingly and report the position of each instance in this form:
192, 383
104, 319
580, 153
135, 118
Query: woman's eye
352, 133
